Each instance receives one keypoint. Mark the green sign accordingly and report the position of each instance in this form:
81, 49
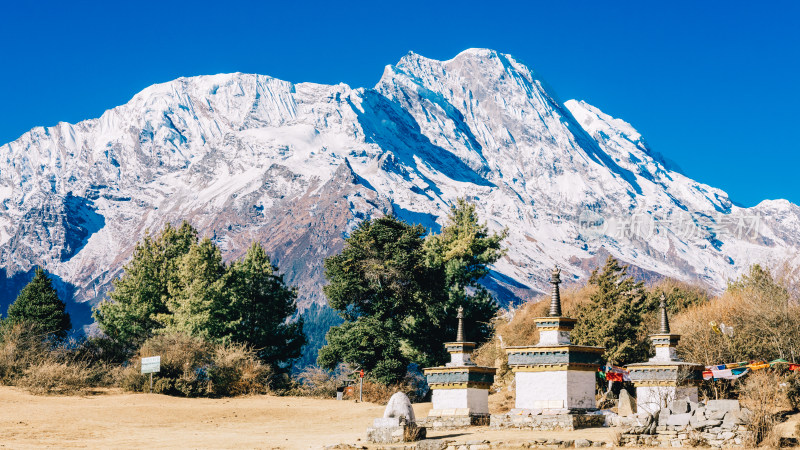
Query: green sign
151, 364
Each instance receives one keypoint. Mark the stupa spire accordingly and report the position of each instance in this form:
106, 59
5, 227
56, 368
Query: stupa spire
555, 300
460, 333
664, 319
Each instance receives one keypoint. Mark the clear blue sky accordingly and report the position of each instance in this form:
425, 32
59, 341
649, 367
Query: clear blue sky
714, 86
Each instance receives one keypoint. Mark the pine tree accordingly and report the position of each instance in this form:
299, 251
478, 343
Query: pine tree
197, 304
399, 292
462, 253
38, 304
141, 293
612, 318
260, 307
378, 284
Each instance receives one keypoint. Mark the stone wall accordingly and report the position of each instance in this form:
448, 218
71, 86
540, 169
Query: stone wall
451, 422
719, 423
535, 420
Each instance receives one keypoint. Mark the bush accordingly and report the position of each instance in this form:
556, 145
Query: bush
793, 390
52, 377
193, 367
319, 383
762, 394
235, 370
32, 360
20, 347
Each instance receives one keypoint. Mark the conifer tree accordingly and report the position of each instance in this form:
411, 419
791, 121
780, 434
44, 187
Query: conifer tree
38, 304
612, 318
260, 307
197, 304
141, 293
378, 283
399, 292
461, 253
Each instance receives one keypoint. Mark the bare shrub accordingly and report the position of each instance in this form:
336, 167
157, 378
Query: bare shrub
320, 383
763, 395
236, 370
380, 393
793, 390
193, 367
51, 377
20, 347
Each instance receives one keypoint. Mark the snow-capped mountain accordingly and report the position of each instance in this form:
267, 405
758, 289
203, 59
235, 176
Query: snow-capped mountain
297, 166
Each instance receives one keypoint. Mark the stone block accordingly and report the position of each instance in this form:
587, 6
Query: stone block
390, 435
582, 443
663, 416
735, 417
680, 406
717, 415
723, 405
386, 422
626, 405
701, 410
711, 423
679, 420
727, 435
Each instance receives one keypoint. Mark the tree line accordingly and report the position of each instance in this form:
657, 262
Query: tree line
396, 287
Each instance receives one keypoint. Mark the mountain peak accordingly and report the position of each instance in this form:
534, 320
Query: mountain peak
297, 166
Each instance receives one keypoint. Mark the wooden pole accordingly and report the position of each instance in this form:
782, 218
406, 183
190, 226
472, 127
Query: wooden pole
360, 388
151, 382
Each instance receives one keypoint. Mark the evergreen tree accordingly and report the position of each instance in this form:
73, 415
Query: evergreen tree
389, 282
380, 273
612, 318
260, 307
378, 283
38, 304
367, 343
462, 253
197, 304
141, 293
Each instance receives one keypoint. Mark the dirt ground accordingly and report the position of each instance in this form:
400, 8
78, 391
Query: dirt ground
121, 420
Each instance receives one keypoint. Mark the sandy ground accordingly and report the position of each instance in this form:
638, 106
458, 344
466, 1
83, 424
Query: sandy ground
121, 420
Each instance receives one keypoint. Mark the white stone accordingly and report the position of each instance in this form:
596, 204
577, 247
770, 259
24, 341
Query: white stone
386, 422
555, 389
651, 399
626, 406
664, 354
553, 337
460, 359
399, 406
475, 401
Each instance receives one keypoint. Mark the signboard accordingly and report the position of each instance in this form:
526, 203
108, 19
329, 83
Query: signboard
151, 364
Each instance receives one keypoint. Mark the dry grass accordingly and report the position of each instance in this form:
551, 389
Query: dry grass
51, 377
763, 396
192, 367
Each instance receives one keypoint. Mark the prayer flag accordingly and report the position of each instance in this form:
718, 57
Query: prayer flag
614, 376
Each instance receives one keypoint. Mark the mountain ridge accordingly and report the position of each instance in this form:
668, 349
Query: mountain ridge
297, 165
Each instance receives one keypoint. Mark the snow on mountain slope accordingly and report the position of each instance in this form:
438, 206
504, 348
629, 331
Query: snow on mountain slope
297, 166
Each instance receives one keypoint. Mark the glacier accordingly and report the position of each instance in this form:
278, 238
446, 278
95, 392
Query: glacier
297, 166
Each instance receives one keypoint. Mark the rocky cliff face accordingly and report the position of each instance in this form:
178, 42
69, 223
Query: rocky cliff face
248, 157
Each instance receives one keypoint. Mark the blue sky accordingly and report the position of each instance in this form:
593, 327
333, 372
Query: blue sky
713, 86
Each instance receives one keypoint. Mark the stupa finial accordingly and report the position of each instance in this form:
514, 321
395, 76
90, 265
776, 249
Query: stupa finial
555, 300
664, 319
460, 333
